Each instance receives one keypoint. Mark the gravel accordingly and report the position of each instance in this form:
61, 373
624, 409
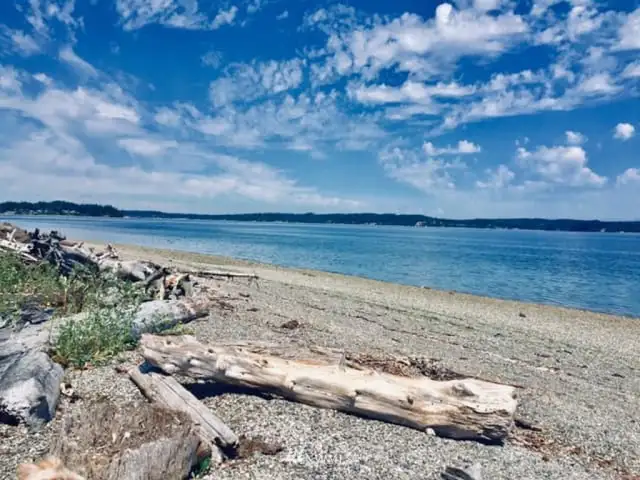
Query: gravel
577, 372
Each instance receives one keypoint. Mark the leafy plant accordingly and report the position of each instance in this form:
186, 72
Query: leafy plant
106, 304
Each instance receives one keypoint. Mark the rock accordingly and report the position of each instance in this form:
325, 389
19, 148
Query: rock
29, 379
472, 472
29, 386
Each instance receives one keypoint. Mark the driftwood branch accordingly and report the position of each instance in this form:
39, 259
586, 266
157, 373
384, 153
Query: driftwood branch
168, 393
462, 408
223, 274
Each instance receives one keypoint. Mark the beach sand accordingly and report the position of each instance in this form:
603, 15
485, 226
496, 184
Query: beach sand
578, 375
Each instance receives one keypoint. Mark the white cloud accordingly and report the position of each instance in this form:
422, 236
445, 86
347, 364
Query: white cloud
212, 58
283, 15
53, 158
629, 34
409, 91
560, 165
426, 174
20, 42
499, 178
135, 14
147, 147
624, 131
632, 70
43, 78
43, 14
463, 147
629, 177
599, 83
68, 56
416, 45
246, 82
575, 138
9, 80
224, 17
487, 5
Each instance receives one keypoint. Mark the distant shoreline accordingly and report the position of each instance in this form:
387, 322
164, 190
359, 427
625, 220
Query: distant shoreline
69, 209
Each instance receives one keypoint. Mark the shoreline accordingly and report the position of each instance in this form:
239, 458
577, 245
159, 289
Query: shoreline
219, 260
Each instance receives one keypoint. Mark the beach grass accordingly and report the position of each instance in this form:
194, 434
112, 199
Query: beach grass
107, 305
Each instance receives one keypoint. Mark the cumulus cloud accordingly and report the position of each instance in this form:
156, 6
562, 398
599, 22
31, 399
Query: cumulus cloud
630, 176
575, 138
499, 178
560, 165
629, 34
624, 131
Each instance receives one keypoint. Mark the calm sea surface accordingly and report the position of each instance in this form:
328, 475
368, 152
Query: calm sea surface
594, 271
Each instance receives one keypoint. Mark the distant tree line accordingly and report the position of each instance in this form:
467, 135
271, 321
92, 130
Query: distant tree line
59, 207
69, 208
408, 220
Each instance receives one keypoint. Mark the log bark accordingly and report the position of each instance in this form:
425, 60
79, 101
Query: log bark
461, 408
104, 441
168, 393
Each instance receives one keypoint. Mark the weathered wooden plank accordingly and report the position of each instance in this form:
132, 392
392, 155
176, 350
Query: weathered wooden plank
168, 393
462, 408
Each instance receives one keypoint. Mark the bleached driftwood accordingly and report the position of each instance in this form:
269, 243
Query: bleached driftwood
462, 409
158, 315
168, 393
207, 273
127, 442
18, 248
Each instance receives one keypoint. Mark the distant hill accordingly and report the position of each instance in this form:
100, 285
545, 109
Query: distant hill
68, 208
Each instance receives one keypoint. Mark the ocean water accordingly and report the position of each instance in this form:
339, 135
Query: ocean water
592, 271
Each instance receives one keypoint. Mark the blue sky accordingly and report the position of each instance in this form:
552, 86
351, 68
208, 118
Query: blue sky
463, 109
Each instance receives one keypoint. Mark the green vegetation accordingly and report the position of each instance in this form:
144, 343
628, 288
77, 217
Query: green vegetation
66, 208
201, 469
105, 303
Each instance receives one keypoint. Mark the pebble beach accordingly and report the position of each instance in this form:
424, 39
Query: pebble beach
577, 375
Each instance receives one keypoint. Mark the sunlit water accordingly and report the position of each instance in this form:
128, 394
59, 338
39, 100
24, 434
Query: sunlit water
594, 271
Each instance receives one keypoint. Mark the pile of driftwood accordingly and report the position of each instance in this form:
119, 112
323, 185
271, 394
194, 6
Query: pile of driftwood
29, 379
68, 256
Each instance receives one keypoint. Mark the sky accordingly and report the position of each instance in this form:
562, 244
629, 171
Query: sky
471, 108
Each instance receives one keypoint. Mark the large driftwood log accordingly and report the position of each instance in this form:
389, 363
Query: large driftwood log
104, 441
462, 408
168, 393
